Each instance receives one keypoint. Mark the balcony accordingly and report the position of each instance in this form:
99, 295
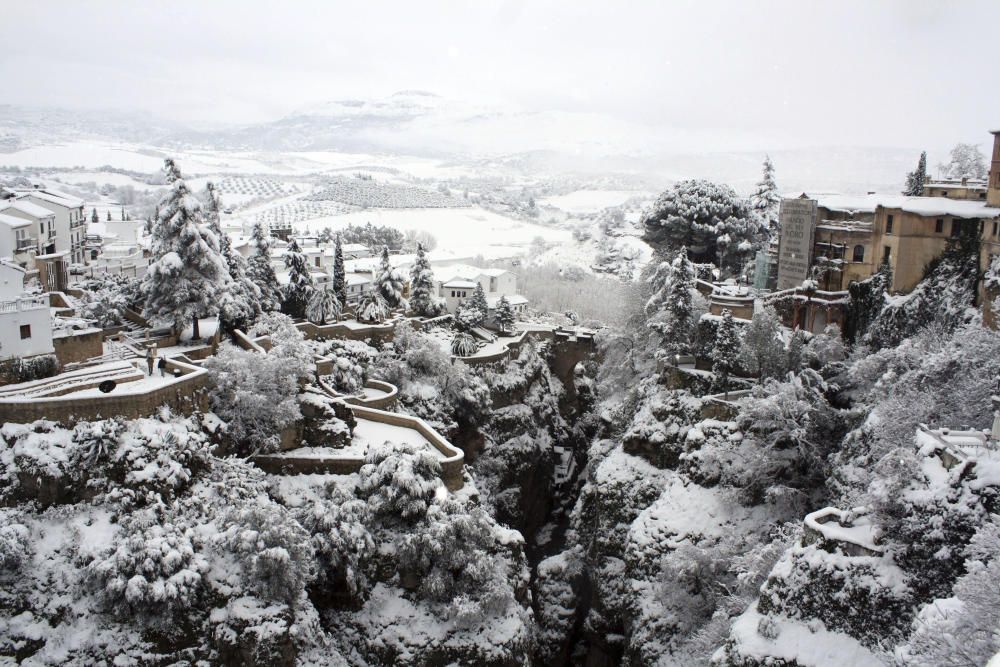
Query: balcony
26, 244
76, 224
26, 303
52, 233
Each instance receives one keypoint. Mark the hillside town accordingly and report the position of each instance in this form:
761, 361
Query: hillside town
644, 343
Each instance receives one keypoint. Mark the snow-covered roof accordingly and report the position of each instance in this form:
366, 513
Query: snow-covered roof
11, 221
925, 206
461, 284
353, 247
28, 208
468, 272
357, 279
56, 197
512, 299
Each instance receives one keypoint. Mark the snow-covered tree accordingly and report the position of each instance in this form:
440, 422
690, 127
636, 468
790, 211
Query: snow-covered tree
504, 315
763, 353
671, 309
796, 350
463, 345
765, 199
300, 288
478, 300
188, 273
967, 161
261, 271
240, 302
712, 221
389, 282
423, 301
467, 316
915, 179
93, 215
323, 306
339, 273
726, 351
341, 541
398, 481
371, 308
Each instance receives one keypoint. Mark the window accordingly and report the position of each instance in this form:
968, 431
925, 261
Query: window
886, 253
317, 261
995, 226
888, 224
859, 253
939, 225
453, 292
955, 229
25, 331
493, 284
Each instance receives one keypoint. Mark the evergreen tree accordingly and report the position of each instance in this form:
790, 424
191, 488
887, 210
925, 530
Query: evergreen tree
763, 353
339, 273
240, 303
726, 351
109, 215
422, 299
915, 179
188, 272
123, 214
261, 271
478, 301
504, 315
671, 307
468, 317
93, 215
300, 283
796, 348
765, 200
389, 282
323, 305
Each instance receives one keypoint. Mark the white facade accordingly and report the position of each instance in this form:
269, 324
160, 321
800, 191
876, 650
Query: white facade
16, 241
43, 228
25, 322
462, 280
70, 219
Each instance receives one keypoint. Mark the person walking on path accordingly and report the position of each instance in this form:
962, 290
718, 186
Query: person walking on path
162, 365
150, 357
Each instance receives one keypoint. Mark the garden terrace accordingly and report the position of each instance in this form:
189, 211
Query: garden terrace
374, 427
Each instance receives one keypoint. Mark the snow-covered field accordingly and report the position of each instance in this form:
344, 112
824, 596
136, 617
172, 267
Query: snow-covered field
590, 201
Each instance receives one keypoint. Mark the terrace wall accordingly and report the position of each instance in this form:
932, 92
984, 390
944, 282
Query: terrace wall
79, 346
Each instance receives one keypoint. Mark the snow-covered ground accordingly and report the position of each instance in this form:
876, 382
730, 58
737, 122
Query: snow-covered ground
590, 201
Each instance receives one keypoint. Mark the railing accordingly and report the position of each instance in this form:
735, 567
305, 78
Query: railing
27, 303
26, 244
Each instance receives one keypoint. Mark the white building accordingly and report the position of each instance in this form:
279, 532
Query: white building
25, 322
70, 219
462, 281
43, 228
15, 240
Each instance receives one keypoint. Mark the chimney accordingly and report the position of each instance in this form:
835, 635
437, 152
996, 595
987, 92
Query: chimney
993, 187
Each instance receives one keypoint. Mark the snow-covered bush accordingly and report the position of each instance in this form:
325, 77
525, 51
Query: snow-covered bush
558, 600
155, 572
256, 394
399, 482
272, 551
463, 559
342, 544
371, 308
15, 541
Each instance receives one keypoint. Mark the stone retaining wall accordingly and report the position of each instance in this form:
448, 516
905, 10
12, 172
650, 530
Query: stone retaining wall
386, 402
184, 395
79, 346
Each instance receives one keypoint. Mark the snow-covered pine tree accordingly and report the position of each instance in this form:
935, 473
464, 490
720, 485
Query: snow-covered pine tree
422, 285
188, 272
261, 271
478, 301
765, 200
671, 308
93, 216
504, 315
323, 306
240, 303
109, 215
389, 282
339, 273
915, 179
300, 283
763, 353
726, 351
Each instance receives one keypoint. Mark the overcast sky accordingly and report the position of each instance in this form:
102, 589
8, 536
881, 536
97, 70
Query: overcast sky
908, 73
